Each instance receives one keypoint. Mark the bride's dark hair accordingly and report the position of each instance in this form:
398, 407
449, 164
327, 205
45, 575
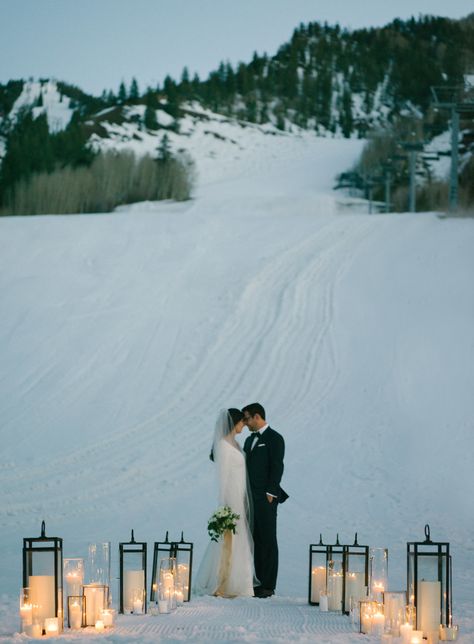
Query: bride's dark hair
226, 423
236, 416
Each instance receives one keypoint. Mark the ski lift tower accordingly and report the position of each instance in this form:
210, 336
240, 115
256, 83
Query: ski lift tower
458, 100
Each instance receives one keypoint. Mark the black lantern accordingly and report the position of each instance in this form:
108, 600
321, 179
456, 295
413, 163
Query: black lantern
325, 574
133, 576
356, 574
43, 575
183, 551
429, 585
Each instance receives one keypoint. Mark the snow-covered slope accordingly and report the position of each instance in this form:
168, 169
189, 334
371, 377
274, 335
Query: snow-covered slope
122, 335
53, 103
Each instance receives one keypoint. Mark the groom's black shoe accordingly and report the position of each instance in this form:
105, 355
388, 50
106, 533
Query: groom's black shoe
263, 593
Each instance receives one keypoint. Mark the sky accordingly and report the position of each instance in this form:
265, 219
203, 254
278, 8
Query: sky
96, 44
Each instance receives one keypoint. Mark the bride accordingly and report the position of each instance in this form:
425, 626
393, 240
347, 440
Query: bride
227, 568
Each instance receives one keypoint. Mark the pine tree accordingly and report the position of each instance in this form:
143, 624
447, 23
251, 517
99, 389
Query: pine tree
164, 151
134, 93
150, 120
122, 93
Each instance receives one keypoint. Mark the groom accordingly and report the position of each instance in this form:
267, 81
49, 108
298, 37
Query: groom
264, 450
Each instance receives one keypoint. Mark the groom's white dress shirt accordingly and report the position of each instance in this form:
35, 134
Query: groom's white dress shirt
256, 436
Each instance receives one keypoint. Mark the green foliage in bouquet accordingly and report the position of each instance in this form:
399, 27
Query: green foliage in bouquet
223, 519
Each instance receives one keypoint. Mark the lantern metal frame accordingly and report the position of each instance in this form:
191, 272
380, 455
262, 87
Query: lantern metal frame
350, 551
133, 547
43, 544
438, 550
185, 550
328, 551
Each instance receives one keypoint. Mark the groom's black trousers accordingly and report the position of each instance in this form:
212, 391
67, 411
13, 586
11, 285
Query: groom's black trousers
265, 541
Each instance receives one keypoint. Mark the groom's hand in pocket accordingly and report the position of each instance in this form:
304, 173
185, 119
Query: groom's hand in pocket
269, 498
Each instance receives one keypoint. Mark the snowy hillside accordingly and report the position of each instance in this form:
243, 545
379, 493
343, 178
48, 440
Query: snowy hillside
122, 335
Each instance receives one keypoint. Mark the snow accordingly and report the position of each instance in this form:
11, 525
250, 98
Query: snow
55, 106
122, 335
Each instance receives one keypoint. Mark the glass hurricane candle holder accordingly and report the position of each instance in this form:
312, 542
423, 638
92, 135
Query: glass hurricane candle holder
73, 576
51, 626
107, 617
367, 608
26, 609
164, 599
98, 563
448, 633
394, 603
76, 611
378, 572
168, 577
96, 598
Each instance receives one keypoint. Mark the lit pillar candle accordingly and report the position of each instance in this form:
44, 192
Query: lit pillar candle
323, 603
26, 615
355, 587
416, 637
107, 617
51, 626
318, 583
132, 580
378, 587
99, 625
377, 623
365, 620
75, 615
406, 631
95, 602
335, 591
42, 595
428, 606
33, 630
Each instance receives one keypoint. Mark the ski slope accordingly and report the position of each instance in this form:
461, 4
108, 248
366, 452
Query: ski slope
122, 335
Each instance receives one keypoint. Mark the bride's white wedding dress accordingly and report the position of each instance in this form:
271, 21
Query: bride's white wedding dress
227, 570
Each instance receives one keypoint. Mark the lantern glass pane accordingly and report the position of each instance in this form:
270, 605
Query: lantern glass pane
428, 567
133, 579
41, 563
335, 583
161, 551
318, 582
183, 571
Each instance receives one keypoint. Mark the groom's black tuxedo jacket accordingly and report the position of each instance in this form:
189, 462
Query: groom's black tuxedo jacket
265, 464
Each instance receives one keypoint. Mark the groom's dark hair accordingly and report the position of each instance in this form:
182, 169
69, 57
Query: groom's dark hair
254, 408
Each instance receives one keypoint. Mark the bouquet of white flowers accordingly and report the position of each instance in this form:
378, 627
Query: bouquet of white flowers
223, 519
